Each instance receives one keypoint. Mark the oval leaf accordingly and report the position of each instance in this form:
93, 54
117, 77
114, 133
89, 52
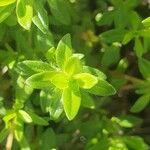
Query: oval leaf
71, 101
141, 103
64, 50
102, 88
86, 80
24, 13
25, 116
6, 2
30, 67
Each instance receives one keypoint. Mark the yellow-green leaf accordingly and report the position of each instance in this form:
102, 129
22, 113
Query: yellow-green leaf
86, 80
71, 101
6, 2
24, 11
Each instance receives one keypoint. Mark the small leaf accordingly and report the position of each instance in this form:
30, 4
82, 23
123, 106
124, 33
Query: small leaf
95, 72
3, 134
102, 88
73, 66
144, 33
25, 116
127, 121
128, 37
111, 56
37, 119
146, 22
31, 67
19, 134
55, 107
87, 100
41, 18
45, 99
86, 80
71, 100
138, 47
5, 12
24, 13
143, 67
60, 80
60, 9
135, 143
41, 80
6, 2
141, 103
36, 20
64, 50
114, 35
45, 142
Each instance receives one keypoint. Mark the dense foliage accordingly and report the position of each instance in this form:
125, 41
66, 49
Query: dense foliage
74, 74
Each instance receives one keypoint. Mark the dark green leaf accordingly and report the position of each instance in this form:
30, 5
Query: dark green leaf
114, 35
5, 12
143, 67
3, 134
37, 119
141, 103
102, 88
135, 143
60, 9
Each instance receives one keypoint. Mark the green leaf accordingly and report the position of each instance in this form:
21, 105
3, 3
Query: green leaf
95, 72
102, 88
37, 119
41, 80
141, 103
24, 11
64, 50
25, 116
55, 107
19, 134
45, 142
87, 100
144, 33
73, 66
22, 93
60, 11
3, 134
114, 35
146, 22
45, 99
71, 100
36, 20
128, 37
40, 19
106, 18
135, 20
6, 2
5, 12
60, 80
111, 56
9, 116
135, 143
127, 121
31, 67
143, 67
138, 47
86, 80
